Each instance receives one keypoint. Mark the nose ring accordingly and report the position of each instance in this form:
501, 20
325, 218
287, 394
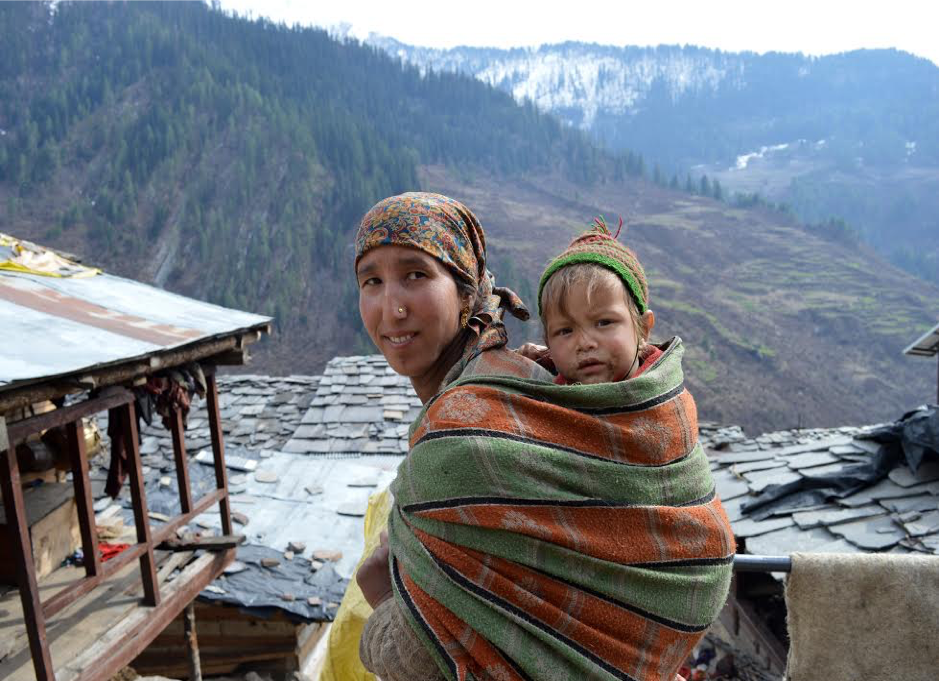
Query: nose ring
401, 309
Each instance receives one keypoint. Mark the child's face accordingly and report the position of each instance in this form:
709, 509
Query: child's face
593, 341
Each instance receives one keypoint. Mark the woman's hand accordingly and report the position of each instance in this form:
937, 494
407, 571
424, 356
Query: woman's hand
374, 577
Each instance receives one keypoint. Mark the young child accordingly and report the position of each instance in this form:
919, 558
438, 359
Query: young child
593, 303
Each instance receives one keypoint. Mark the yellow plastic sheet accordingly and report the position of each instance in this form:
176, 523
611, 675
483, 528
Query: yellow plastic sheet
342, 649
27, 258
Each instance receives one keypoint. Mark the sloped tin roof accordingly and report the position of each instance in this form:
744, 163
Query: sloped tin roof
55, 326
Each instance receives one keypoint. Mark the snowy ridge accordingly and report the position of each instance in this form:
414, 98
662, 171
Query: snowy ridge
579, 80
595, 82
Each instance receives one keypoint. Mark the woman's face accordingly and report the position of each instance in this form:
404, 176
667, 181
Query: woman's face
410, 306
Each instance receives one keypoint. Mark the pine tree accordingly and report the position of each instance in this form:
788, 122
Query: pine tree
704, 186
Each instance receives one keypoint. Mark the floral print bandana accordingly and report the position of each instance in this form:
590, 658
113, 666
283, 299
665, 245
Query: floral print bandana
447, 230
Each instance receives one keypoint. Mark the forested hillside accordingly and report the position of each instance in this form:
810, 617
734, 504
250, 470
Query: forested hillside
230, 160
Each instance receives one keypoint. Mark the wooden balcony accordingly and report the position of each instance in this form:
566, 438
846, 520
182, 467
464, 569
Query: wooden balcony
85, 624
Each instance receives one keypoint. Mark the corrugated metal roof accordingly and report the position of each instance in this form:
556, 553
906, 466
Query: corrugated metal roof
57, 326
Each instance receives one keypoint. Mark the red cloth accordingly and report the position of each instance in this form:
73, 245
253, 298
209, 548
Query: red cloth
647, 360
108, 551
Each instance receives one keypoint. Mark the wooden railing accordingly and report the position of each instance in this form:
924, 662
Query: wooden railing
35, 611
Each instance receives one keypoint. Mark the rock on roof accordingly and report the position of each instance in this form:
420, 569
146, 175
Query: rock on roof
898, 514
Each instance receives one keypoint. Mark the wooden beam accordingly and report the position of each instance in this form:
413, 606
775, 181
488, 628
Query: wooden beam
109, 398
218, 450
182, 463
119, 646
192, 643
205, 543
125, 372
23, 557
138, 499
75, 591
75, 434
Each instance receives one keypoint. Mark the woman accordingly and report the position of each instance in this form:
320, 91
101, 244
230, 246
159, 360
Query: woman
538, 531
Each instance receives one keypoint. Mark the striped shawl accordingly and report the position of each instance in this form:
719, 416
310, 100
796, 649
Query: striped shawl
559, 532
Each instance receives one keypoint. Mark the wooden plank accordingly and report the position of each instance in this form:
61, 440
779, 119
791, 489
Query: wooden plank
110, 397
121, 644
228, 541
75, 434
101, 610
218, 450
175, 560
23, 556
138, 498
76, 629
76, 590
182, 465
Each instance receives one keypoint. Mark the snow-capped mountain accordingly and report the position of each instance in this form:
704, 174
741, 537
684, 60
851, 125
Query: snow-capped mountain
853, 135
581, 80
685, 106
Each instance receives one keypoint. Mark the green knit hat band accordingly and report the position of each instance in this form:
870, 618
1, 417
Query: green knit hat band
595, 259
597, 246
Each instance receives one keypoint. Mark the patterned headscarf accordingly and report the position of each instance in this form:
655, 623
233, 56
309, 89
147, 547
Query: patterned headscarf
448, 231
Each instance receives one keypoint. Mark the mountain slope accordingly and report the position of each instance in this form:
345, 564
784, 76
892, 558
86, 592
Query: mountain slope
852, 135
230, 160
783, 328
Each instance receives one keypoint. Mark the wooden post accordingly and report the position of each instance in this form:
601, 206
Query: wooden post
83, 500
179, 453
218, 449
138, 498
192, 643
23, 556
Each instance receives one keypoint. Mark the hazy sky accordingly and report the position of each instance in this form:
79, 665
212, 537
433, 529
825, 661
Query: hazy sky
810, 26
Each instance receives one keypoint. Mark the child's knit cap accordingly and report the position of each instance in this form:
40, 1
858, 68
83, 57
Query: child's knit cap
599, 247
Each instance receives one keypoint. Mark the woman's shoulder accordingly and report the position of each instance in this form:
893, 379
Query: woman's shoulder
504, 362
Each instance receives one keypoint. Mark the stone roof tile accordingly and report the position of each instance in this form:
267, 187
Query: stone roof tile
898, 514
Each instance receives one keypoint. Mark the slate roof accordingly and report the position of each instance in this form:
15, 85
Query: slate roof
361, 406
899, 514
304, 454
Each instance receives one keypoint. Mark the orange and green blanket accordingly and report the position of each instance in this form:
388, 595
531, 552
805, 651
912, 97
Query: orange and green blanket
560, 532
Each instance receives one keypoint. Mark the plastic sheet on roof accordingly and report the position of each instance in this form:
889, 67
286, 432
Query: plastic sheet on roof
287, 586
912, 440
26, 257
